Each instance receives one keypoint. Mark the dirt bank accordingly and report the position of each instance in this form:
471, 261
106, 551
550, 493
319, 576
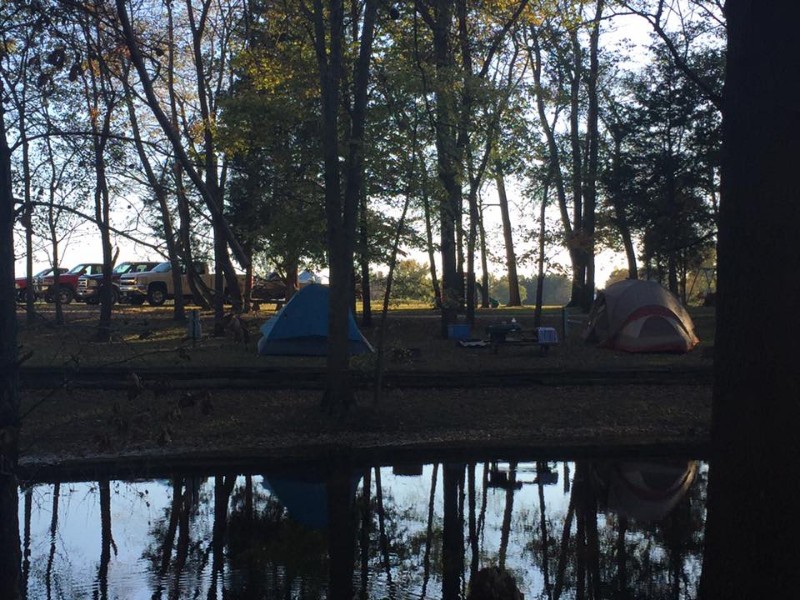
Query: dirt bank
94, 428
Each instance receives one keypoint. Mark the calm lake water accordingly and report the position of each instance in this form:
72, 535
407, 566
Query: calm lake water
606, 529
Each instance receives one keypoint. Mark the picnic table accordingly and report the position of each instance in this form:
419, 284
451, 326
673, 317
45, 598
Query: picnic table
512, 333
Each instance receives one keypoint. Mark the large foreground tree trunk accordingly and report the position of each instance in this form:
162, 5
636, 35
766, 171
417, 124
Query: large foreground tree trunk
751, 533
9, 400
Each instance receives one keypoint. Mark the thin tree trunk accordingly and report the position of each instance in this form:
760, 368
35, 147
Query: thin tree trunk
366, 527
511, 258
383, 538
473, 521
537, 312
484, 265
437, 292
620, 214
53, 538
366, 299
106, 539
540, 468
426, 561
505, 529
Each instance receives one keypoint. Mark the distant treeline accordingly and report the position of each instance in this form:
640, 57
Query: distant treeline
556, 290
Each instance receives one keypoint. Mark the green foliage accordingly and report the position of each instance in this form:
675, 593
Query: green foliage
270, 128
557, 289
411, 282
665, 175
615, 276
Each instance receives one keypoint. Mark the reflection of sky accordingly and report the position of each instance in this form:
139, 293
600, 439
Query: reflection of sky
137, 507
78, 541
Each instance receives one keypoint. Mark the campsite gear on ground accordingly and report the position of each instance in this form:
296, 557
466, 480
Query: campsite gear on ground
194, 328
547, 336
458, 331
640, 316
300, 328
498, 331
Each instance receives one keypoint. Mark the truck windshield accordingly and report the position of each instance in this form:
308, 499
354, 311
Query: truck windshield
78, 269
164, 267
122, 268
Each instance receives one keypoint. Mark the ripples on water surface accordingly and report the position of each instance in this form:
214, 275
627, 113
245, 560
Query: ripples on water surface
617, 529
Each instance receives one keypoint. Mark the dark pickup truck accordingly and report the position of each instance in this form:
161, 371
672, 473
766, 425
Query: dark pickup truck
90, 286
67, 283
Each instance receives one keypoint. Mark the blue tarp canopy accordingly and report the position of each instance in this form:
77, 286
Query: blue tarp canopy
300, 328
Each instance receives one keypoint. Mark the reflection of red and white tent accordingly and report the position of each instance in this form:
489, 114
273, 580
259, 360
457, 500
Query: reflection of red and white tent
644, 490
640, 316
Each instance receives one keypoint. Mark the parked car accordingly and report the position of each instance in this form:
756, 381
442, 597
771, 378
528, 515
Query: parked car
21, 283
268, 289
90, 286
273, 287
156, 285
67, 283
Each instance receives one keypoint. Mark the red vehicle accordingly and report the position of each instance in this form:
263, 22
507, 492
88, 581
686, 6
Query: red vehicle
67, 283
90, 286
21, 283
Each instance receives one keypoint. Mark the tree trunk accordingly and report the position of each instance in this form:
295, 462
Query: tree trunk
437, 292
620, 214
448, 162
511, 258
341, 530
751, 548
106, 539
9, 399
577, 243
593, 143
366, 300
484, 265
452, 533
27, 217
537, 312
341, 211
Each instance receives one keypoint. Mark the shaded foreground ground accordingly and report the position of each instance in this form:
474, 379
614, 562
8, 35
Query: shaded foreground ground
203, 425
204, 428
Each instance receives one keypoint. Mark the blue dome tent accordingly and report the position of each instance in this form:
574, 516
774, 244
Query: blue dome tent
300, 328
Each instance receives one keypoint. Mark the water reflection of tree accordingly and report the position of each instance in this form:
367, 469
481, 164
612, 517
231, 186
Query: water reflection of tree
26, 537
53, 538
595, 554
176, 553
106, 539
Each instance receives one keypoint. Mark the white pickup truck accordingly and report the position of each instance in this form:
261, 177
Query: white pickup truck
156, 286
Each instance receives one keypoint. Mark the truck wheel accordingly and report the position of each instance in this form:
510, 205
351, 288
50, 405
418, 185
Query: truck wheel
156, 296
114, 296
65, 295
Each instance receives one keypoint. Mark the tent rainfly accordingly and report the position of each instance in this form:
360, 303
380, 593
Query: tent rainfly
646, 490
640, 316
300, 328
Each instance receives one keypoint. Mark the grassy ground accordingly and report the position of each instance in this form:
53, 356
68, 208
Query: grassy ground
79, 427
145, 336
